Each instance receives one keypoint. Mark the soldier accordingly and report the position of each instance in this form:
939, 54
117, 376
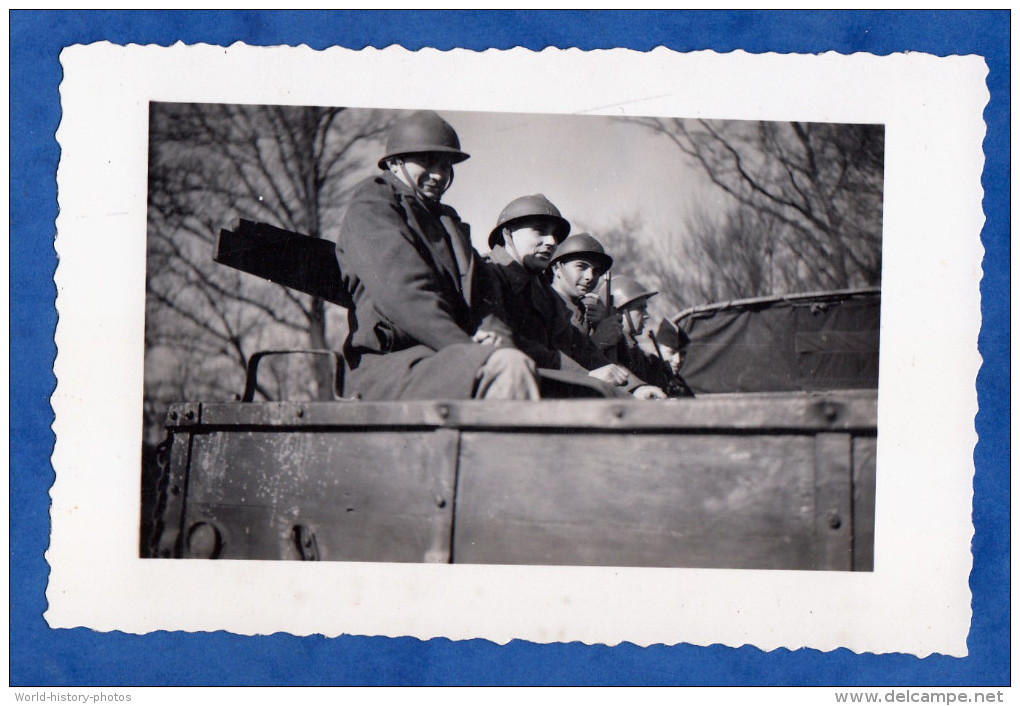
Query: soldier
424, 322
630, 298
526, 234
577, 266
672, 343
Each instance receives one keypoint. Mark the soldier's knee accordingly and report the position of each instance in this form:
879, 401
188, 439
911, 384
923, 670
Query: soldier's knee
507, 374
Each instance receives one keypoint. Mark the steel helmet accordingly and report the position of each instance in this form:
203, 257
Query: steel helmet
583, 244
627, 290
534, 206
422, 131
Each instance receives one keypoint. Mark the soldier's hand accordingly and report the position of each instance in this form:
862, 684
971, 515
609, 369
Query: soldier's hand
487, 338
648, 392
612, 374
608, 333
595, 310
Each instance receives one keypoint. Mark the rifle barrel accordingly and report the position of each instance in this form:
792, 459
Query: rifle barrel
611, 353
658, 351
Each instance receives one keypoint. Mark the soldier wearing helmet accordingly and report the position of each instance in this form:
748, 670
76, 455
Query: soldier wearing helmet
577, 266
425, 322
527, 231
630, 298
526, 234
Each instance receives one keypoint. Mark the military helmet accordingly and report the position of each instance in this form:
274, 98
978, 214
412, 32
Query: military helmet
583, 244
534, 206
627, 290
423, 131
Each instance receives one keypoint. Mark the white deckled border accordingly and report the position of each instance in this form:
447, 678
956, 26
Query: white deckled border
917, 600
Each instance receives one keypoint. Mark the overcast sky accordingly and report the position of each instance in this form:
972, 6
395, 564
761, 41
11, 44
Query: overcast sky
597, 170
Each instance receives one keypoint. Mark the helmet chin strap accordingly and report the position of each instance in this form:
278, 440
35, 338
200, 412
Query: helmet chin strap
508, 243
412, 183
631, 328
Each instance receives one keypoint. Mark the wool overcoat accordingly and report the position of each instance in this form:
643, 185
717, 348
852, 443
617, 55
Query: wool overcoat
420, 292
539, 320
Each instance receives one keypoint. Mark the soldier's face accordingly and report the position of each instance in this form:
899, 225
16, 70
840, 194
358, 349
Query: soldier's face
577, 277
534, 242
430, 173
637, 314
673, 358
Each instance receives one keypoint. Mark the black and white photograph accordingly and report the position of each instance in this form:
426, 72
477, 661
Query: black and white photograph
554, 346
655, 343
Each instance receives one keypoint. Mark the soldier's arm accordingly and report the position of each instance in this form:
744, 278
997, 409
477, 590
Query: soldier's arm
546, 357
562, 361
583, 349
589, 354
644, 371
487, 301
648, 367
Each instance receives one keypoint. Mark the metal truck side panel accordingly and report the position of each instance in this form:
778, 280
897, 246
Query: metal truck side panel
349, 496
778, 481
641, 500
833, 515
791, 411
864, 502
174, 493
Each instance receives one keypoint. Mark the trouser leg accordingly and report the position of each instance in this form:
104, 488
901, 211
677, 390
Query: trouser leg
507, 374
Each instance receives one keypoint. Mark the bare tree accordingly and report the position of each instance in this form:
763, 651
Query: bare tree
210, 165
710, 259
815, 187
736, 258
657, 260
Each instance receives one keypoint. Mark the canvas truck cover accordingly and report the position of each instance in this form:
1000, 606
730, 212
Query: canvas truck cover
805, 342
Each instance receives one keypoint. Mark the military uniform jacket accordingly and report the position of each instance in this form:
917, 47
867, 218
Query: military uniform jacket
539, 319
418, 287
643, 372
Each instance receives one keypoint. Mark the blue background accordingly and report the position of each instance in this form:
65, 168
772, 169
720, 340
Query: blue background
41, 656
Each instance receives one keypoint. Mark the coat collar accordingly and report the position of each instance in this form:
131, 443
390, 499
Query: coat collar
515, 272
437, 227
526, 285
